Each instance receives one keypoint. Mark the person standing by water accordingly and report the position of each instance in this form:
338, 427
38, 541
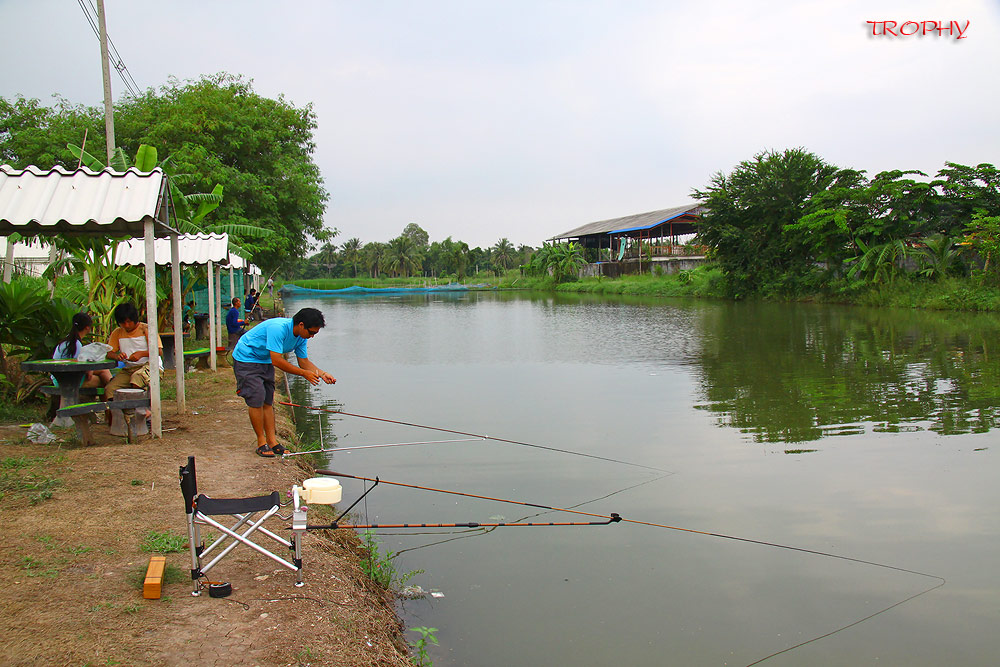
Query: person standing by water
262, 349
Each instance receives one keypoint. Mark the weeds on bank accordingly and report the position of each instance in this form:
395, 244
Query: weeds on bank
421, 659
380, 567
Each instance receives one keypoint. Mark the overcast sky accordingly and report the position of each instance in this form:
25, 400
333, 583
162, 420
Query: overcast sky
525, 118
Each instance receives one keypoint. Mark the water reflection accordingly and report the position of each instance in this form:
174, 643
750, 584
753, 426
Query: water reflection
799, 373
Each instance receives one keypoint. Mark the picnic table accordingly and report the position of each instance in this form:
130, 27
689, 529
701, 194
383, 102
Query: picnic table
69, 375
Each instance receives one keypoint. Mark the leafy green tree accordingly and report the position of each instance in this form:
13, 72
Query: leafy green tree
218, 130
983, 234
878, 211
221, 131
565, 260
966, 190
416, 233
34, 134
748, 211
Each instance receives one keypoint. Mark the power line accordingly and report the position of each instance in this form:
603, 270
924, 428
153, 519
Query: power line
116, 60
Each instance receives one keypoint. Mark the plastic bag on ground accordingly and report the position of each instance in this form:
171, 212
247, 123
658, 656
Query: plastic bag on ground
40, 434
94, 352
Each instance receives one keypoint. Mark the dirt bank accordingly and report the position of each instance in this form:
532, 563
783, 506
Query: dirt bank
73, 522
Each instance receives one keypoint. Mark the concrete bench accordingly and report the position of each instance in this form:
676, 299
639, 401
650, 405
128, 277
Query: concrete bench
81, 414
55, 400
123, 418
200, 355
52, 390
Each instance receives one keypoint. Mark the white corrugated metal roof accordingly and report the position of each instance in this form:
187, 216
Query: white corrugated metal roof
35, 201
192, 248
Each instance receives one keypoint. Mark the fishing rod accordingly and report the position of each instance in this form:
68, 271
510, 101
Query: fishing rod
332, 473
477, 436
614, 518
390, 444
941, 581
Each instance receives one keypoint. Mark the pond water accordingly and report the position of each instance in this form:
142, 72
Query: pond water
865, 434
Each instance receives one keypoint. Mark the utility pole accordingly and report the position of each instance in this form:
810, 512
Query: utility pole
109, 111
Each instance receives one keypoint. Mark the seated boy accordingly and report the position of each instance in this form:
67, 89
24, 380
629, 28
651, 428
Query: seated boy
129, 344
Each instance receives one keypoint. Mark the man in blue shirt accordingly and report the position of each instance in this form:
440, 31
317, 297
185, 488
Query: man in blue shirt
234, 325
255, 357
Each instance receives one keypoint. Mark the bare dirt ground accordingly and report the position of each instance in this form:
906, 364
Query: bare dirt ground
72, 564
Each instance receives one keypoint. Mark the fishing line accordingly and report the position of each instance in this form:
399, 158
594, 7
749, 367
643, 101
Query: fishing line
479, 436
941, 580
390, 444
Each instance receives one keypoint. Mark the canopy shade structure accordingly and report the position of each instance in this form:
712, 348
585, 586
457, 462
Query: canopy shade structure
192, 249
59, 203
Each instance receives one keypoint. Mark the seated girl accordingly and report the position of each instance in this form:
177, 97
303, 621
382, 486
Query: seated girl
71, 345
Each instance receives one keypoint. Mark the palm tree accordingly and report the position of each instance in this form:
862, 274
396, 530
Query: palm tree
939, 257
402, 256
351, 252
374, 256
878, 263
327, 256
502, 255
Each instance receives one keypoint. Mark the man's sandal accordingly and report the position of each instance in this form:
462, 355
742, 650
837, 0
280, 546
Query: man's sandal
279, 450
265, 451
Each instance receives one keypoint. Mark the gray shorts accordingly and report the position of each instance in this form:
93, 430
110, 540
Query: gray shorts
254, 382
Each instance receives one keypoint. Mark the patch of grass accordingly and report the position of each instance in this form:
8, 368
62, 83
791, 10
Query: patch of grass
800, 451
35, 567
19, 478
304, 656
21, 413
35, 488
19, 462
163, 543
137, 482
171, 575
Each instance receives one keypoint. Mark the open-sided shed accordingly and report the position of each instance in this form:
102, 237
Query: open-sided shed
110, 204
668, 224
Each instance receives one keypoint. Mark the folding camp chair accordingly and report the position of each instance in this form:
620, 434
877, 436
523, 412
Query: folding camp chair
200, 510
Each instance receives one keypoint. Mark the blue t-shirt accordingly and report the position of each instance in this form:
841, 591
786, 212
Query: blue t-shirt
233, 320
273, 335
